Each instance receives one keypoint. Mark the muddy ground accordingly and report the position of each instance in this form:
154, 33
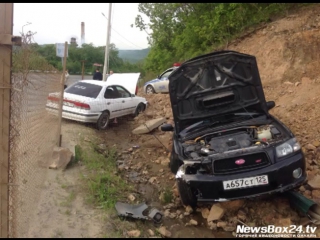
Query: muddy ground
287, 52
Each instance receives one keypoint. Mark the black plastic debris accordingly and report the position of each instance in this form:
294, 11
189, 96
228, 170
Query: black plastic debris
141, 211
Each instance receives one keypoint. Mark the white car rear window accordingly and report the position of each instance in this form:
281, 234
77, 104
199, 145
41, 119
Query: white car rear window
84, 89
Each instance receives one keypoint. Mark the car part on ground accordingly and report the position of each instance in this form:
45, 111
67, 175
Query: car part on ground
304, 205
227, 145
141, 211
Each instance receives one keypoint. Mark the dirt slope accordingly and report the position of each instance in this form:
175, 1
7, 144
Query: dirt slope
287, 52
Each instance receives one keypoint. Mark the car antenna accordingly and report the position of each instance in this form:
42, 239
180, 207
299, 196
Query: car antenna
156, 138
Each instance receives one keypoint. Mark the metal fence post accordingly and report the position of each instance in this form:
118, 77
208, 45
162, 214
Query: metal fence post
6, 27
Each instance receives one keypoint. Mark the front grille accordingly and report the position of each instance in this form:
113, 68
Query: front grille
245, 162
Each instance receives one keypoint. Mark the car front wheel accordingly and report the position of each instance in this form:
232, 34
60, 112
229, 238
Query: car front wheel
140, 108
150, 90
187, 196
103, 121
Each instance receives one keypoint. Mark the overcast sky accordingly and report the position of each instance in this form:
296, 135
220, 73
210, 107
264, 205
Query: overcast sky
58, 22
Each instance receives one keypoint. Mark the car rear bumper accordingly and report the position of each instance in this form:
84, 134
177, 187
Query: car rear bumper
210, 187
80, 117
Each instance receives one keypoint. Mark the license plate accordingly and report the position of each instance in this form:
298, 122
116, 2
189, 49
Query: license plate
246, 182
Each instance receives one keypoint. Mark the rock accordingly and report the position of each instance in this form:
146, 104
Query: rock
134, 233
164, 232
297, 84
189, 209
310, 147
212, 225
216, 213
161, 170
307, 193
288, 83
232, 205
284, 222
61, 158
162, 197
168, 206
130, 149
229, 228
316, 143
167, 213
241, 215
193, 222
131, 197
172, 215
151, 233
221, 224
178, 212
164, 161
316, 194
315, 183
186, 213
302, 188
152, 179
148, 126
181, 216
175, 192
205, 213
102, 146
251, 224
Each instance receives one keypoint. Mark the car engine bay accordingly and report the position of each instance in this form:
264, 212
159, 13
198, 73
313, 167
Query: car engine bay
236, 140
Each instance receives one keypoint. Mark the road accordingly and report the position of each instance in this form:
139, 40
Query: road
75, 78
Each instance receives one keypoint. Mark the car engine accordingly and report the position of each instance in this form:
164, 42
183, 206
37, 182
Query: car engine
228, 141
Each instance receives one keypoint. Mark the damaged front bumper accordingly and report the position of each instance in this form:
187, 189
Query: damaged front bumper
209, 188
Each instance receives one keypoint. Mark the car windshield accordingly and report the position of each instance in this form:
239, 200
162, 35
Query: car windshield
84, 89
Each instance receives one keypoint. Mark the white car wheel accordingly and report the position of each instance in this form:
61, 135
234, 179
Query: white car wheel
103, 121
150, 89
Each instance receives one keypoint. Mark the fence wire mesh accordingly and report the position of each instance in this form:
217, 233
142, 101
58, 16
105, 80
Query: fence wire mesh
33, 132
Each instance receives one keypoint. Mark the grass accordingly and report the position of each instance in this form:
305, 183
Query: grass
167, 196
103, 185
69, 200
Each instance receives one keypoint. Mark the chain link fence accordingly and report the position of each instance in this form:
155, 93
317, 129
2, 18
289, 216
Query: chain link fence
33, 132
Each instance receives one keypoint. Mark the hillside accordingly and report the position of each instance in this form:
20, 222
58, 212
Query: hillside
287, 52
133, 56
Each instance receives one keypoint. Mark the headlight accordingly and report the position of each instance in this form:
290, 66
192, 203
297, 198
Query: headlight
288, 147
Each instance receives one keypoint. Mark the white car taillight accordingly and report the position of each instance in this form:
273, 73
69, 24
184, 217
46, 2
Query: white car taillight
69, 103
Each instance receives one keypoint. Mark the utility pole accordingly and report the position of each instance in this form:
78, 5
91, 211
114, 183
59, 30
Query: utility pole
106, 62
82, 69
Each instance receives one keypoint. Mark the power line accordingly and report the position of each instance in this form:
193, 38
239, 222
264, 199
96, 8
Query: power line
120, 34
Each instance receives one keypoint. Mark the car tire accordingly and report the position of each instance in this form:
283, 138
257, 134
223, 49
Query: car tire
150, 90
187, 196
140, 108
175, 162
103, 121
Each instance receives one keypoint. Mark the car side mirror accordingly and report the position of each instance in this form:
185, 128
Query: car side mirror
158, 77
271, 104
132, 95
167, 128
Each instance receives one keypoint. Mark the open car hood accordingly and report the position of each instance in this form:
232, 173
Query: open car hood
127, 80
215, 84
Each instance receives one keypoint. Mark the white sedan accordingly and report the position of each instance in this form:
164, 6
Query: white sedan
94, 101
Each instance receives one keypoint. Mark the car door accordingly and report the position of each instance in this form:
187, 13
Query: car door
165, 81
128, 102
163, 84
113, 102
